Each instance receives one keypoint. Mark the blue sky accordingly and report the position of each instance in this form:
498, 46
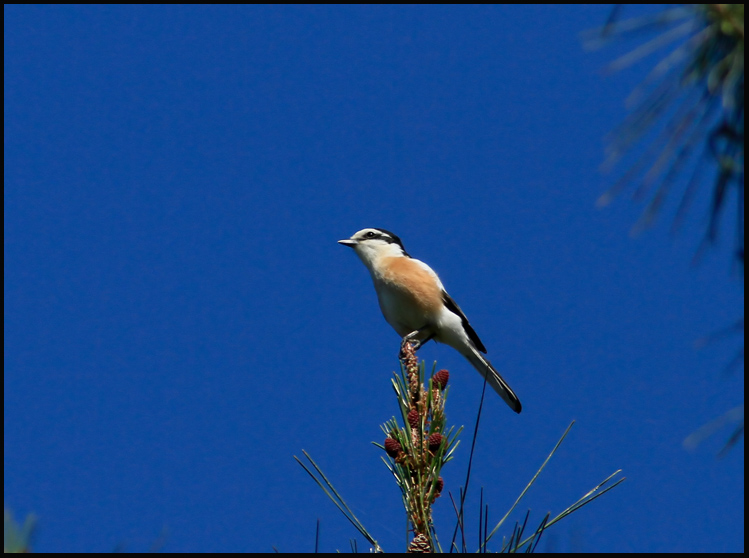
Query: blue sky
180, 321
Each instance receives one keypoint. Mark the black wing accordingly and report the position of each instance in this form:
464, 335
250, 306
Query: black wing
455, 309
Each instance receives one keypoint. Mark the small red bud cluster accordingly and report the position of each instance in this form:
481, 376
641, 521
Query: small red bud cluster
435, 441
414, 420
440, 379
393, 447
438, 486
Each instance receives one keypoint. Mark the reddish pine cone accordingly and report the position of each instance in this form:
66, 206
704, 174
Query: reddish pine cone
438, 486
440, 379
392, 447
435, 441
413, 418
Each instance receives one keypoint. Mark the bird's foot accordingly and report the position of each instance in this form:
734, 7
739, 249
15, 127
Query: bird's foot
411, 340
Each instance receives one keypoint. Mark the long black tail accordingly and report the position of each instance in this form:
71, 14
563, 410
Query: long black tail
493, 378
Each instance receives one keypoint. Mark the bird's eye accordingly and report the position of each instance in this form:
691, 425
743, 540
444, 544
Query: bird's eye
370, 234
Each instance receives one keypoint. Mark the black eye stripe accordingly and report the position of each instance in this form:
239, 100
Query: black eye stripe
389, 237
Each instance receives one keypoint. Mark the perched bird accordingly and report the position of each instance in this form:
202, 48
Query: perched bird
415, 303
